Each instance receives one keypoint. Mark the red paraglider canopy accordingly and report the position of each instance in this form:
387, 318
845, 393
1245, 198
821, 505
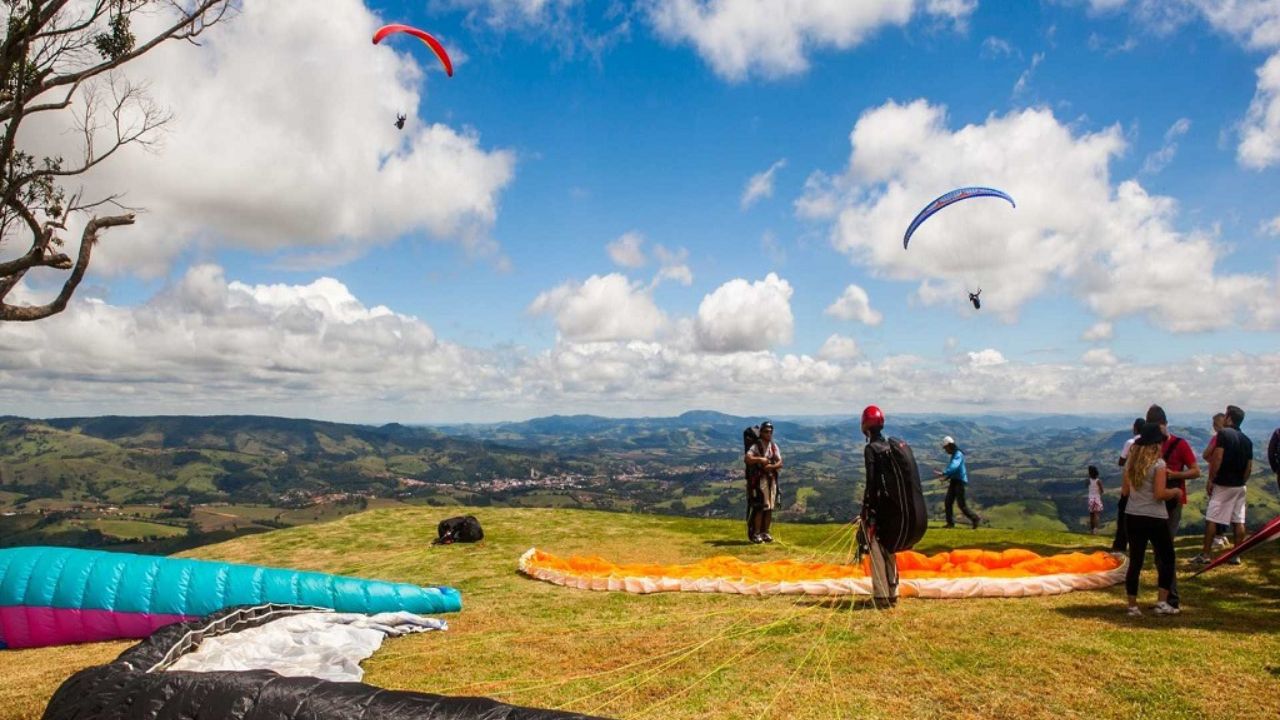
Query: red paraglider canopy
431, 42
1270, 531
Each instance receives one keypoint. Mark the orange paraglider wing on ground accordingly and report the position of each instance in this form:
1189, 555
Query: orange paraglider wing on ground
958, 573
425, 37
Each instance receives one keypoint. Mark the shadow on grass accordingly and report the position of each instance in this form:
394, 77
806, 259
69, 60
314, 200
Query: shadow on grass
1244, 600
727, 543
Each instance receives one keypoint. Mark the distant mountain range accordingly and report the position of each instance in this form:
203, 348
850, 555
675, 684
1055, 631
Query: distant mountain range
1027, 471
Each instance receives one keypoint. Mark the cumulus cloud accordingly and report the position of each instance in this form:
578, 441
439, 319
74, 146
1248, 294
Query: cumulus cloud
839, 348
1100, 357
775, 38
608, 307
1070, 217
854, 305
1098, 332
760, 185
673, 265
986, 358
1161, 158
301, 155
210, 344
745, 316
627, 252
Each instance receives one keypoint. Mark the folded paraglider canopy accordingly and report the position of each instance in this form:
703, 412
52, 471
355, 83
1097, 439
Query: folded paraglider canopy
145, 684
55, 596
955, 574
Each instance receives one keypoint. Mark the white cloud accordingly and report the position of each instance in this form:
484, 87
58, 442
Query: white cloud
1098, 332
774, 38
994, 46
839, 348
673, 265
1115, 245
608, 307
1271, 227
261, 159
1260, 133
1256, 25
760, 185
1024, 79
626, 251
1100, 357
854, 305
744, 316
212, 345
986, 358
1160, 159
567, 25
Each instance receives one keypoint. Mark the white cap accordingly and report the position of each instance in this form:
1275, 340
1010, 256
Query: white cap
948, 440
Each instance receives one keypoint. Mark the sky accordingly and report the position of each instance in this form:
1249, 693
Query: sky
645, 208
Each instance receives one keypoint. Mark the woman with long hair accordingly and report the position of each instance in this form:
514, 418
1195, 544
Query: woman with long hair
1147, 519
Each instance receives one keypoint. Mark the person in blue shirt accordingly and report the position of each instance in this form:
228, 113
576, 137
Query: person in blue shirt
957, 476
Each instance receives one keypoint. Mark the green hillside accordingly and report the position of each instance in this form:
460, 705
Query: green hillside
722, 656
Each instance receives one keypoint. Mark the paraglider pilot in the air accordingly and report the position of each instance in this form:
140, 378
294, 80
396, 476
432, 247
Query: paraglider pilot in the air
973, 298
400, 126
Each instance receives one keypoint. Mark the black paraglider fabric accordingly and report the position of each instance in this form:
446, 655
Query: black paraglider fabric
135, 687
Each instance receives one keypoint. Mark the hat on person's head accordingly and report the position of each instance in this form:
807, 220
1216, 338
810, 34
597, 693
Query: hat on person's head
1150, 435
948, 440
766, 425
1155, 414
872, 417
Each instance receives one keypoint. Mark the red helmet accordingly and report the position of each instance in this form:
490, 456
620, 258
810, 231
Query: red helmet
872, 418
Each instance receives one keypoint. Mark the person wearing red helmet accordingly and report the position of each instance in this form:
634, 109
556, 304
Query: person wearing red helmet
893, 513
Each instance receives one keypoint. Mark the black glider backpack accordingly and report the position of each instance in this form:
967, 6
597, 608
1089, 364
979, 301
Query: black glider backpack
459, 529
900, 511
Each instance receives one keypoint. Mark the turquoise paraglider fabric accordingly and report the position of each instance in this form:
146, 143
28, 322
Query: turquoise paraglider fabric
55, 596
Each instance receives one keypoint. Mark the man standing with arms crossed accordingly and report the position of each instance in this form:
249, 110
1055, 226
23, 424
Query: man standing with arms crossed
764, 460
1229, 470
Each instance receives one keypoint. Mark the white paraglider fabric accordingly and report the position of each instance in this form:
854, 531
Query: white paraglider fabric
326, 645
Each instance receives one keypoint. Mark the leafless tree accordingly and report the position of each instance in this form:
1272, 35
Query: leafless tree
66, 56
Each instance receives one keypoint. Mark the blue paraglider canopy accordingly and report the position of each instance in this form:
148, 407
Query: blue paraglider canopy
950, 198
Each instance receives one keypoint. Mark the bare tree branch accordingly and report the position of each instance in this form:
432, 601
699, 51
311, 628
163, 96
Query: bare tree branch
28, 313
55, 57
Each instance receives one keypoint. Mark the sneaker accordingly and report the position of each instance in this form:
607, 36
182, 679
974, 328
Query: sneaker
975, 522
1220, 542
948, 526
1235, 561
766, 537
756, 539
1164, 608
1201, 559
1134, 611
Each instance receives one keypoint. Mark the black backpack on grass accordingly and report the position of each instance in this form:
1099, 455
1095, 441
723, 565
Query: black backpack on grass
459, 529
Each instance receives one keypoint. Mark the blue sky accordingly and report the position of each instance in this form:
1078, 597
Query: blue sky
614, 122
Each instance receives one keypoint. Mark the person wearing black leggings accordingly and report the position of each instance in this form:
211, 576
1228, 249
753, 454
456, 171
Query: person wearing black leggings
1147, 518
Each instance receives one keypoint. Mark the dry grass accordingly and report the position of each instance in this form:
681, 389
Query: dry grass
696, 656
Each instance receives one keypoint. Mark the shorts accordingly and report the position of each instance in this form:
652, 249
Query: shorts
1227, 505
1095, 505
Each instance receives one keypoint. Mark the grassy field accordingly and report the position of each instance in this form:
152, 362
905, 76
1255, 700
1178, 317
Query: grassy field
723, 656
